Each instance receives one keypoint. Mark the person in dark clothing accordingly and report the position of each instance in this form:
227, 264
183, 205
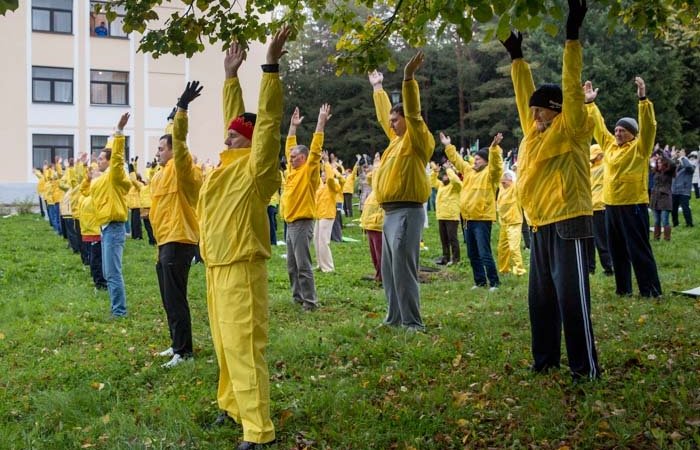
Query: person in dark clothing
661, 201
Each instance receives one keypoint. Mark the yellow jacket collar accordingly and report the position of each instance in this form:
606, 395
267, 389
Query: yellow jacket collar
233, 154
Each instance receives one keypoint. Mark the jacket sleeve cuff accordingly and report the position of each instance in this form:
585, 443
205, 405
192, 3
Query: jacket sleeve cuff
270, 68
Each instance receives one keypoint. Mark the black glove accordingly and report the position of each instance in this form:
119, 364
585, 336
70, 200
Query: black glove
514, 45
192, 91
171, 116
131, 168
577, 11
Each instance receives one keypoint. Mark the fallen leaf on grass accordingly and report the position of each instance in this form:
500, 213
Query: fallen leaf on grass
284, 416
694, 422
105, 419
457, 360
97, 386
676, 436
2, 336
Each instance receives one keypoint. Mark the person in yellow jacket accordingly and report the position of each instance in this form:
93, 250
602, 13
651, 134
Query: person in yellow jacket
145, 207
40, 190
174, 194
554, 188
625, 194
402, 187
478, 205
235, 245
52, 173
325, 214
349, 187
299, 199
448, 187
372, 221
599, 241
133, 200
108, 192
510, 219
90, 234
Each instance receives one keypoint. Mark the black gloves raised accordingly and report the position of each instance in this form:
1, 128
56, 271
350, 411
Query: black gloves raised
577, 11
514, 45
192, 91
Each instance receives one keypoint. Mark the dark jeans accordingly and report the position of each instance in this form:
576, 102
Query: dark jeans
479, 252
696, 189
448, 239
72, 233
136, 231
347, 204
95, 256
43, 214
337, 231
627, 227
599, 242
526, 233
272, 219
149, 230
684, 202
173, 268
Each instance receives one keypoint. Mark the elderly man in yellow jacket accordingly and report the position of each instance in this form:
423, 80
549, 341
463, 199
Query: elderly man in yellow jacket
625, 194
174, 194
326, 194
235, 245
402, 187
299, 199
448, 187
108, 192
554, 189
599, 240
478, 206
510, 219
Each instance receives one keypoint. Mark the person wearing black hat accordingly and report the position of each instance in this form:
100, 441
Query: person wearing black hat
554, 189
625, 193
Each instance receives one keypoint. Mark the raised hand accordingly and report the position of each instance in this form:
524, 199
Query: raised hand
192, 91
324, 114
641, 87
589, 93
514, 45
297, 118
123, 121
376, 79
276, 49
577, 11
445, 139
171, 116
497, 139
412, 65
234, 57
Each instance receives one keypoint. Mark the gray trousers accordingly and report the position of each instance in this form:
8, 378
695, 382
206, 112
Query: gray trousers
400, 251
301, 275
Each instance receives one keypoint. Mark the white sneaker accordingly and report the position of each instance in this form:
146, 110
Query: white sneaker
476, 287
177, 359
493, 288
167, 352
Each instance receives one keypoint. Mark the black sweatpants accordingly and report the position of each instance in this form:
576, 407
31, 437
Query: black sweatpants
627, 227
599, 242
448, 239
347, 204
559, 294
96, 264
136, 231
173, 268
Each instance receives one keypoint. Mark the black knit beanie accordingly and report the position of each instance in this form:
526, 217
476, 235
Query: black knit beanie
629, 124
484, 153
547, 96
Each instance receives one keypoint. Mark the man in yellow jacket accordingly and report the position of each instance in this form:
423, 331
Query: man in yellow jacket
554, 189
299, 199
174, 194
447, 211
235, 245
478, 205
108, 192
401, 189
325, 214
599, 241
625, 194
510, 219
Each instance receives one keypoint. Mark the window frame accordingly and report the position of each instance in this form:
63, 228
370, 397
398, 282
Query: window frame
93, 22
52, 11
96, 149
52, 86
53, 148
109, 85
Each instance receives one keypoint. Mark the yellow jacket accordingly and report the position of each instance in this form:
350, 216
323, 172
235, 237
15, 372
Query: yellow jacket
325, 195
75, 201
626, 176
597, 186
174, 192
299, 194
401, 176
145, 196
447, 199
88, 219
372, 217
553, 166
108, 191
275, 199
478, 197
509, 212
349, 184
64, 206
233, 200
41, 183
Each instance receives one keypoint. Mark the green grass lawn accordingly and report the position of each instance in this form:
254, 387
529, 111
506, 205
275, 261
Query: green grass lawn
72, 378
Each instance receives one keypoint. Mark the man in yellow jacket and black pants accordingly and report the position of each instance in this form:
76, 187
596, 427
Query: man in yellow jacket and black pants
478, 205
174, 193
599, 241
108, 192
235, 245
554, 189
401, 189
625, 194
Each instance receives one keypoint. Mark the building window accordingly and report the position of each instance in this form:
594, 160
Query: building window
101, 27
109, 88
46, 147
52, 85
97, 143
54, 16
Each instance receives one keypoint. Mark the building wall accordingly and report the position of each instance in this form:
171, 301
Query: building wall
154, 85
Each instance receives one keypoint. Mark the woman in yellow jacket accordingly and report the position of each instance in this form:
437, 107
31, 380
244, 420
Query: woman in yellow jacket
372, 221
510, 218
325, 215
90, 235
448, 187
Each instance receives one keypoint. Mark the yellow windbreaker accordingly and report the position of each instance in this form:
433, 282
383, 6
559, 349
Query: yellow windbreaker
401, 176
597, 186
447, 199
64, 206
509, 212
108, 191
372, 217
478, 197
325, 195
41, 183
553, 166
349, 185
626, 176
88, 219
174, 192
299, 194
75, 201
233, 200
145, 196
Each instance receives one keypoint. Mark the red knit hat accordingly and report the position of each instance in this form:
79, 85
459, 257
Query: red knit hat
242, 126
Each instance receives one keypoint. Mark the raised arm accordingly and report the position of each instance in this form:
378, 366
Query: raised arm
117, 174
314, 160
382, 104
294, 123
188, 178
600, 132
520, 73
233, 96
647, 120
496, 159
573, 109
422, 141
452, 154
